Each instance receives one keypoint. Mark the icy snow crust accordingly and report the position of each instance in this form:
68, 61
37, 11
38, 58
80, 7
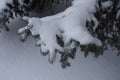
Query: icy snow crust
69, 25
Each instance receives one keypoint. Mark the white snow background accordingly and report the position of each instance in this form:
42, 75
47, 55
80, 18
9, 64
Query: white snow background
23, 61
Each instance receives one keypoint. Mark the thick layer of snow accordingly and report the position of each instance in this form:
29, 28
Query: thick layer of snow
70, 24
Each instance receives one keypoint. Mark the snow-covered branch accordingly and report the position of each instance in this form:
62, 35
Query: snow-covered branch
9, 9
70, 25
3, 19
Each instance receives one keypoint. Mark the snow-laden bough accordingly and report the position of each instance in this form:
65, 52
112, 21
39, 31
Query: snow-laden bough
69, 25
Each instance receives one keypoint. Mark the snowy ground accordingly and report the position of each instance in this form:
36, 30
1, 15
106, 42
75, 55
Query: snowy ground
23, 61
